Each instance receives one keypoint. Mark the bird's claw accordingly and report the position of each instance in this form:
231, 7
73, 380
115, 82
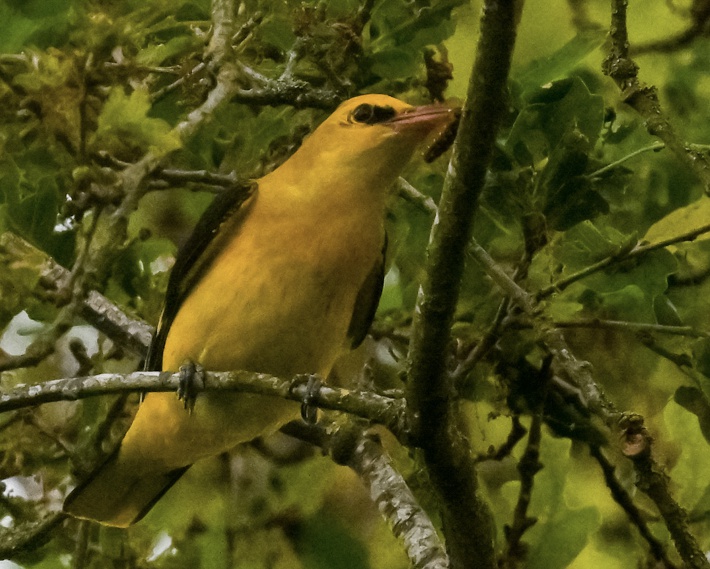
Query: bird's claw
309, 412
192, 381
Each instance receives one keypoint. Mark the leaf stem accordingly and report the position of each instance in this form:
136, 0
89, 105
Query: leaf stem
656, 146
637, 250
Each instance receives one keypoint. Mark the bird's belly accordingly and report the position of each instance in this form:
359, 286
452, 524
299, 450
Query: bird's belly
164, 436
271, 311
281, 317
282, 328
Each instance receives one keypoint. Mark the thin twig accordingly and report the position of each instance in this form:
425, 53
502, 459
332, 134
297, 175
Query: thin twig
528, 467
634, 327
700, 15
485, 343
564, 364
655, 147
623, 254
580, 15
160, 93
515, 292
247, 28
622, 497
683, 361
133, 177
516, 434
411, 194
670, 44
173, 177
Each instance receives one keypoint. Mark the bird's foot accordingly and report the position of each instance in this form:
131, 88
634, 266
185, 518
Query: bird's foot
192, 381
309, 412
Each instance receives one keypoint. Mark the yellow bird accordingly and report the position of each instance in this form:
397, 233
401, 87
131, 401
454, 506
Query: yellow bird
279, 283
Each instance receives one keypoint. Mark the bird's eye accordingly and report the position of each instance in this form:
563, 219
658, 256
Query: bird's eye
371, 114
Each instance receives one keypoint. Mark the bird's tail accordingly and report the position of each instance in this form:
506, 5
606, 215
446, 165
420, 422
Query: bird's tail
118, 495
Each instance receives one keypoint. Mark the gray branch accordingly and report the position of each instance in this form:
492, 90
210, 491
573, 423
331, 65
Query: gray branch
376, 408
399, 507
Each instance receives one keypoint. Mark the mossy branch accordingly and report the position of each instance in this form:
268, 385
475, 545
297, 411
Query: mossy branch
644, 98
378, 409
468, 524
655, 483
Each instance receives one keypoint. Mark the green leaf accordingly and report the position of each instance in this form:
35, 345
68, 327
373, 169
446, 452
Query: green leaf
38, 9
626, 291
692, 302
277, 30
401, 24
31, 194
701, 355
16, 29
391, 298
34, 22
666, 312
624, 288
649, 274
126, 130
696, 402
681, 220
694, 458
325, 543
629, 303
560, 63
552, 112
158, 53
568, 528
562, 539
587, 243
569, 196
394, 63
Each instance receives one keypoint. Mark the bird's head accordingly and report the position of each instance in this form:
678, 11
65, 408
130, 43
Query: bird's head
381, 124
367, 140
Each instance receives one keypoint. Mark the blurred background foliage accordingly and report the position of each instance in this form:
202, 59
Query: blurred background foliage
88, 85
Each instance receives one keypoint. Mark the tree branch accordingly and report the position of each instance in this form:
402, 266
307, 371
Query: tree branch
467, 521
388, 489
394, 500
633, 327
528, 466
654, 482
28, 537
95, 308
132, 180
699, 13
644, 99
624, 499
382, 410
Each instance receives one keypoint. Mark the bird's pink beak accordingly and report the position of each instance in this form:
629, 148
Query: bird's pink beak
424, 118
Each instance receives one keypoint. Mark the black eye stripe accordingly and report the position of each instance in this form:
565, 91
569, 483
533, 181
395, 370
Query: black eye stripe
372, 114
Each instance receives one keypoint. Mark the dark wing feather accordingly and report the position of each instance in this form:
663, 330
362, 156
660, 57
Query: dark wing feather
194, 257
368, 297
